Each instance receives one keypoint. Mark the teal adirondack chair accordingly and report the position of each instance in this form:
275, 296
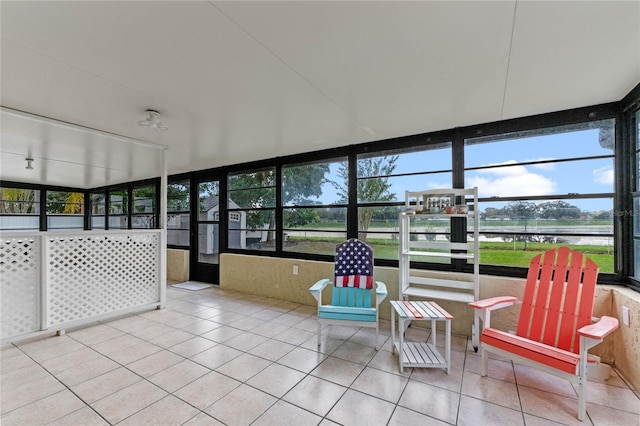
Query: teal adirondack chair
351, 297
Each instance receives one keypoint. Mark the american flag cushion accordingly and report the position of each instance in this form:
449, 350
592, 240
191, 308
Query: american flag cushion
354, 265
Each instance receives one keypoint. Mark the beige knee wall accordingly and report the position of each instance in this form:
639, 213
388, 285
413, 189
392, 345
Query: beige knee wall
274, 277
177, 265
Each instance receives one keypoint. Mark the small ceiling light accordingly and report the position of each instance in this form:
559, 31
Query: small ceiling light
29, 161
152, 121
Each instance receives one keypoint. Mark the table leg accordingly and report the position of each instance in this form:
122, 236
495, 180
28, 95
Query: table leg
433, 333
447, 347
393, 330
400, 351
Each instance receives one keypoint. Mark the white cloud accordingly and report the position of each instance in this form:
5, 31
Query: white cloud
603, 175
506, 181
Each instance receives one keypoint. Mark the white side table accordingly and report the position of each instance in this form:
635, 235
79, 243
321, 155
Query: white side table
413, 354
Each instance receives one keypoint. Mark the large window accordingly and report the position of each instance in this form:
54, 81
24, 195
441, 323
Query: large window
545, 188
98, 205
119, 208
252, 201
636, 196
178, 219
65, 210
314, 198
19, 209
383, 177
143, 213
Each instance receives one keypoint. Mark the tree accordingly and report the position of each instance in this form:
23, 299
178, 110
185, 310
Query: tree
63, 202
558, 209
371, 189
18, 201
522, 210
257, 190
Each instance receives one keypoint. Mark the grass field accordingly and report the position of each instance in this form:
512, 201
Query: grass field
491, 253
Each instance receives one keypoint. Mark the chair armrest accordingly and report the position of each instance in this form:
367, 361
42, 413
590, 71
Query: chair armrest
319, 286
494, 302
316, 290
381, 289
599, 330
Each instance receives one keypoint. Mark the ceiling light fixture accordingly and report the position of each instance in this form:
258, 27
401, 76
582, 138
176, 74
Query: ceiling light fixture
152, 121
29, 161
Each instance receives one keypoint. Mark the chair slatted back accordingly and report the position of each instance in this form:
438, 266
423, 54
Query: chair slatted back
353, 279
558, 298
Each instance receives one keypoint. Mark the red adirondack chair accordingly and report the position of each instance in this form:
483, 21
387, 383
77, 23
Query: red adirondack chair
555, 328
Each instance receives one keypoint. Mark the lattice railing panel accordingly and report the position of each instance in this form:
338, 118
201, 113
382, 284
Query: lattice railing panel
19, 286
98, 274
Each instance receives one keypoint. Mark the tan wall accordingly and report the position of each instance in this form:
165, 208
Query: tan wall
177, 265
273, 277
627, 339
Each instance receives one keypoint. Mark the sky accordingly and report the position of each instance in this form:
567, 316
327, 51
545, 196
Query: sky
583, 177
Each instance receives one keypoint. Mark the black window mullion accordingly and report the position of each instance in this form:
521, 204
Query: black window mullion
42, 217
352, 202
279, 225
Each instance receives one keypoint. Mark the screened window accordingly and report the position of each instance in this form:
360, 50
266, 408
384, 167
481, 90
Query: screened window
252, 200
383, 178
98, 206
636, 198
178, 219
19, 209
314, 215
118, 209
65, 210
143, 213
545, 188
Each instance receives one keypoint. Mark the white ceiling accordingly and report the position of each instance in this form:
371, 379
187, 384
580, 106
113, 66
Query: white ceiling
239, 81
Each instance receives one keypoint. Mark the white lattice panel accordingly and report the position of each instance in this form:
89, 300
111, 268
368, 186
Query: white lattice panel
19, 286
99, 274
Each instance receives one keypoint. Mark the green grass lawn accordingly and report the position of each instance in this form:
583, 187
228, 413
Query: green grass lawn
491, 253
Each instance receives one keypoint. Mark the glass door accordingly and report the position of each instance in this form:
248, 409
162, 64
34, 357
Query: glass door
205, 232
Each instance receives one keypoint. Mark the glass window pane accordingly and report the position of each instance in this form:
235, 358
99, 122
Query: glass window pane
315, 242
208, 238
391, 189
19, 222
19, 209
315, 183
143, 221
252, 198
636, 217
118, 202
144, 200
97, 203
412, 160
61, 202
252, 229
97, 222
637, 121
178, 227
385, 245
636, 261
65, 222
581, 140
507, 251
178, 196
118, 222
573, 216
209, 199
265, 178
587, 177
19, 201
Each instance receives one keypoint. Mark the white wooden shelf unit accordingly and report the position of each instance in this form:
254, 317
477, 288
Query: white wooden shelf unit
412, 286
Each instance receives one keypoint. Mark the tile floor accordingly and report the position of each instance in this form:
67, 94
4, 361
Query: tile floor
215, 357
